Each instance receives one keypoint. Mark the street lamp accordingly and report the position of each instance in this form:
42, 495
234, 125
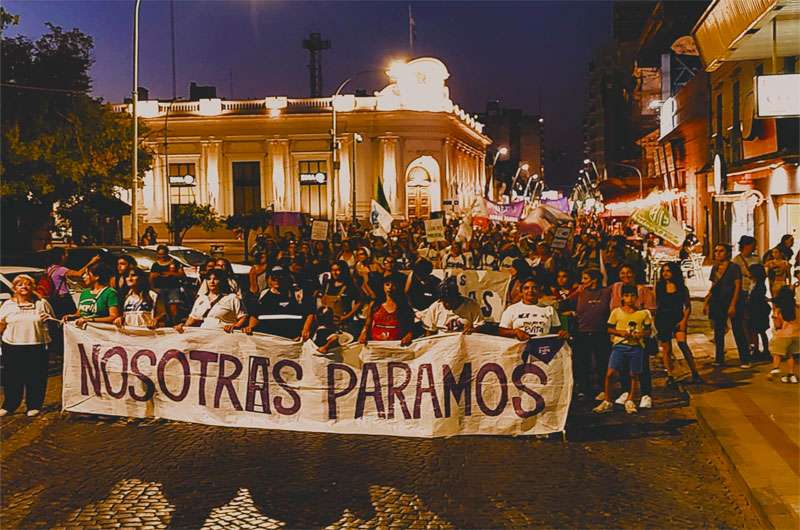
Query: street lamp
588, 161
502, 151
135, 162
357, 139
522, 167
335, 144
638, 172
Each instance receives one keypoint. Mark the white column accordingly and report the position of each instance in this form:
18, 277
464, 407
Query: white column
389, 171
343, 196
210, 189
281, 180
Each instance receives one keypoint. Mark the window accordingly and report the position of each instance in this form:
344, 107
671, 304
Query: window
790, 65
759, 69
314, 187
736, 130
182, 184
246, 187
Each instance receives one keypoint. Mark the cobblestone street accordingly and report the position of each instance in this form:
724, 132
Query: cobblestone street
655, 469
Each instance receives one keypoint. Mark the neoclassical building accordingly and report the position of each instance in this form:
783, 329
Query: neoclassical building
426, 152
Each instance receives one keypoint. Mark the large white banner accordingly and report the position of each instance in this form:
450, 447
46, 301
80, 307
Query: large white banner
488, 288
443, 385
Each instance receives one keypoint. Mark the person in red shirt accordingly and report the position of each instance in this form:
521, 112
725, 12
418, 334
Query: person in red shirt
389, 317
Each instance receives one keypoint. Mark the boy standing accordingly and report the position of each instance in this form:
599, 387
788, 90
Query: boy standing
628, 328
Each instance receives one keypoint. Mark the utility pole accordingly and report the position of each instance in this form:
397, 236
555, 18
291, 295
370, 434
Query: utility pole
135, 161
315, 44
172, 38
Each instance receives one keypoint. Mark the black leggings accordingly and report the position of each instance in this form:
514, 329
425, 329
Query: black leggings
25, 372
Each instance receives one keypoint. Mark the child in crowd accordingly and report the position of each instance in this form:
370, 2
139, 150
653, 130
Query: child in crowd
758, 310
628, 328
786, 339
326, 336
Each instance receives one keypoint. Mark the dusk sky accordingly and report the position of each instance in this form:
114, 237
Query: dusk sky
493, 50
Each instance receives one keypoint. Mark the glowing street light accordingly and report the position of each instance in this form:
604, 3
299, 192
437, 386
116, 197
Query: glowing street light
502, 151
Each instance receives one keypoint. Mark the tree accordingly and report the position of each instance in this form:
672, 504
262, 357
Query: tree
59, 144
186, 216
247, 222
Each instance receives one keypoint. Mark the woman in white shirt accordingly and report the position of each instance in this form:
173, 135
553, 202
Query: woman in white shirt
219, 309
526, 319
141, 308
23, 326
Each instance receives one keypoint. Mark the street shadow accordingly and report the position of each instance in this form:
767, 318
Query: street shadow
627, 430
308, 480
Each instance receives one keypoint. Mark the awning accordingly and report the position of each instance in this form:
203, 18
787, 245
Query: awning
737, 196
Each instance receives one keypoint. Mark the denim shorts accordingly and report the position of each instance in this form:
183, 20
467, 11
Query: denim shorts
171, 296
623, 355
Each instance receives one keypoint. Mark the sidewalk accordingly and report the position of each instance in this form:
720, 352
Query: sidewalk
756, 423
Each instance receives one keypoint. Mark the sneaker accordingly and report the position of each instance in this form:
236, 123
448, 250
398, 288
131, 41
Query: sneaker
622, 399
646, 402
3, 412
33, 412
789, 379
600, 397
745, 366
603, 407
774, 373
630, 407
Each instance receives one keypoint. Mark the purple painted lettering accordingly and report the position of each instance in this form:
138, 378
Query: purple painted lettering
226, 381
203, 357
161, 371
394, 390
276, 374
502, 382
516, 377
370, 369
87, 370
120, 351
427, 369
333, 395
256, 384
456, 390
149, 386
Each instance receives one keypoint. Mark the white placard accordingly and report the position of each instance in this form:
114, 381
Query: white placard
434, 230
319, 231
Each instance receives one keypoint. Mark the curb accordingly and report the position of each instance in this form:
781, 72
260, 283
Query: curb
738, 479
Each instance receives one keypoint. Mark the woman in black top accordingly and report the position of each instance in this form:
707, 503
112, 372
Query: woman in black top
421, 286
340, 294
673, 306
277, 300
722, 303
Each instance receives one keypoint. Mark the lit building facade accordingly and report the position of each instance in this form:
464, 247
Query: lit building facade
276, 152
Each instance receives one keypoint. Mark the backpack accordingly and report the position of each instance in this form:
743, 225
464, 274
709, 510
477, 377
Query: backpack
45, 287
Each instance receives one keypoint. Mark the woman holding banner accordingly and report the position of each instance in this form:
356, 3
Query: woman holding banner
527, 319
389, 317
99, 302
23, 328
218, 309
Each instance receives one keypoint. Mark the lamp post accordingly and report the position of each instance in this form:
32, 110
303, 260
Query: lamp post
135, 162
638, 172
522, 167
588, 161
335, 143
357, 139
502, 151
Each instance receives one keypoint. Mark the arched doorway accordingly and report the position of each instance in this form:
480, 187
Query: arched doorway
423, 194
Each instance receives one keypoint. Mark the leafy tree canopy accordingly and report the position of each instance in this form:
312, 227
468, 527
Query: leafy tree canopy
59, 143
186, 216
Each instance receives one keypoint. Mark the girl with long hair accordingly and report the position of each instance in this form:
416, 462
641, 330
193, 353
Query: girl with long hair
98, 302
786, 339
673, 307
219, 308
141, 307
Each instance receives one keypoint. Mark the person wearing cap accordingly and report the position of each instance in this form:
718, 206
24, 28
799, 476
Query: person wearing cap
451, 312
25, 338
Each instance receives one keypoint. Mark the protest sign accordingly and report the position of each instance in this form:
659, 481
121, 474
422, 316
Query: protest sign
434, 230
505, 212
319, 231
562, 234
488, 288
444, 385
659, 221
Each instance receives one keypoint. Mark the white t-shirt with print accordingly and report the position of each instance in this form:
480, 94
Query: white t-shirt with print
535, 320
438, 318
227, 311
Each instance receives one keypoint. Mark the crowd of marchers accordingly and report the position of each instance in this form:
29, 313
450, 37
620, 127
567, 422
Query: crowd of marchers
358, 287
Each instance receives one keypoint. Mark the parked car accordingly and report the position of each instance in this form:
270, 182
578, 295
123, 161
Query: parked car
191, 257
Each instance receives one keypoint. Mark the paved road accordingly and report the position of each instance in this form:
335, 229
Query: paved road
654, 470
